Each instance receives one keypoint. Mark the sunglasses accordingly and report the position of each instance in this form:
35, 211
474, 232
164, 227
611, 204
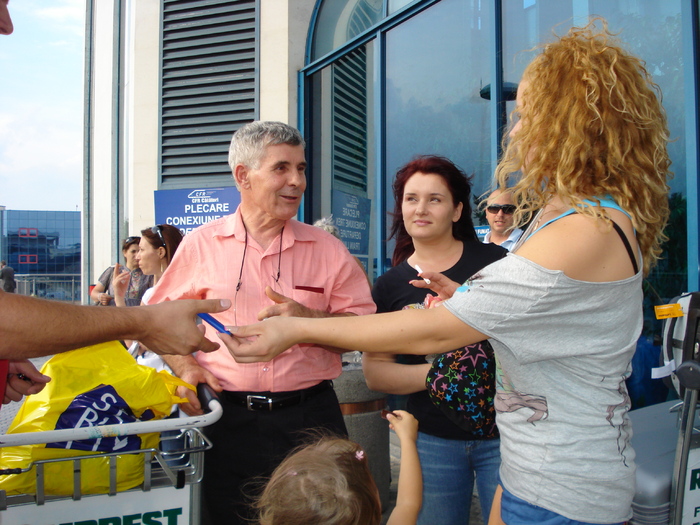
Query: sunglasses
156, 230
508, 209
129, 241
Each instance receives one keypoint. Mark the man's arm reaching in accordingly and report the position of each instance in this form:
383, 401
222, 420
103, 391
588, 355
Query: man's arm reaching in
33, 327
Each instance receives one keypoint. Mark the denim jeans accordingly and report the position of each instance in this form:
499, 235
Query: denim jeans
449, 468
516, 511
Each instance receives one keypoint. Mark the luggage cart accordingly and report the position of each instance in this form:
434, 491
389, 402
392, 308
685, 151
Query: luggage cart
685, 488
667, 436
169, 494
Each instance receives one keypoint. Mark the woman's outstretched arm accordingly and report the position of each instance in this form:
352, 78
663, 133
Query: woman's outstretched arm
419, 332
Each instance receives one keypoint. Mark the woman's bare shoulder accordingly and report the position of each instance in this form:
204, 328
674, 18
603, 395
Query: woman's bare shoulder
583, 247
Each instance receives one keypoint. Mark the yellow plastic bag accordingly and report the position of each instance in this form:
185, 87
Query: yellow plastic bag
96, 385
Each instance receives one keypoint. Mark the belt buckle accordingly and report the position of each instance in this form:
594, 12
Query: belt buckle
251, 398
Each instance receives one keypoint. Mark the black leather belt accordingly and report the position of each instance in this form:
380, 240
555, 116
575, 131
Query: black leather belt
273, 400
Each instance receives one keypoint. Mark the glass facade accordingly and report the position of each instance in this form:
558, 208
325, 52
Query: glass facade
425, 70
652, 31
435, 117
342, 20
43, 247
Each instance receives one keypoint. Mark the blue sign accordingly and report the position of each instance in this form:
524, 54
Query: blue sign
351, 215
186, 209
481, 231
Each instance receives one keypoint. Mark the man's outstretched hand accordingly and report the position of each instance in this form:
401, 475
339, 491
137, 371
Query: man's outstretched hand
171, 327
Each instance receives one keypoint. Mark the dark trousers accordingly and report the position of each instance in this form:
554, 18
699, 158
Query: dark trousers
248, 445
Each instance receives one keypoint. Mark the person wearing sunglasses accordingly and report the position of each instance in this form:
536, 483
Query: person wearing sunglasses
269, 265
156, 250
103, 293
499, 214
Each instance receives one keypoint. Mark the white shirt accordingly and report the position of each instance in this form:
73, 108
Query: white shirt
509, 242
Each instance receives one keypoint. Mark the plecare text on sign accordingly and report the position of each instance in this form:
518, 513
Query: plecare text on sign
189, 208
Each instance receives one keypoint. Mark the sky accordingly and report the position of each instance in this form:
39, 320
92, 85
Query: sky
41, 106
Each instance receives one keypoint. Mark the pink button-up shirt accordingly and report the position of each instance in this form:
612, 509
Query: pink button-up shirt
315, 270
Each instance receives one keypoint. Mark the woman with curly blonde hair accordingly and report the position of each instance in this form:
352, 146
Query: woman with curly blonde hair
592, 127
563, 311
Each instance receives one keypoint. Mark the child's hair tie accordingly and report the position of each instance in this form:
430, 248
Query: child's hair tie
360, 455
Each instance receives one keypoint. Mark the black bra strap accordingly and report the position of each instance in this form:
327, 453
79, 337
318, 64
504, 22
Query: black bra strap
627, 245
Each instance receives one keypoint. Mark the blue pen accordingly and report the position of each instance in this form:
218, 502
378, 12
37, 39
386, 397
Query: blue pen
216, 324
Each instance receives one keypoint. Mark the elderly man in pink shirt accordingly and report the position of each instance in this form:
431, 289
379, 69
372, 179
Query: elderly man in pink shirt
268, 264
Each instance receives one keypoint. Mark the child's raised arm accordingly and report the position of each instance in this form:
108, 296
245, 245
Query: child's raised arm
410, 487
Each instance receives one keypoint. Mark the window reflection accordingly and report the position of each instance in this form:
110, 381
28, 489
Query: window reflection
395, 5
343, 154
340, 21
437, 64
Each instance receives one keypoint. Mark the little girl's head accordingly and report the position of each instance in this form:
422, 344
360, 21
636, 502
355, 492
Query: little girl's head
326, 482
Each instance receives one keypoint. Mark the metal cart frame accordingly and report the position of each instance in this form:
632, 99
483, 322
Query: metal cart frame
169, 494
685, 481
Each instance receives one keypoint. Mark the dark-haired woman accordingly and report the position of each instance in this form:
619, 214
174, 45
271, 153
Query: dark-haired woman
103, 292
156, 249
434, 232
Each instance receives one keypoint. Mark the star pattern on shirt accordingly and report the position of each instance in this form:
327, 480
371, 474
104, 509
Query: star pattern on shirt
463, 383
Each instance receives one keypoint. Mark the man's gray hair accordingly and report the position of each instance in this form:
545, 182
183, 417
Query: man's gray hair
326, 224
249, 142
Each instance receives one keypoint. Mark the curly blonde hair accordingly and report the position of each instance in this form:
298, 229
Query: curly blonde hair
326, 482
591, 126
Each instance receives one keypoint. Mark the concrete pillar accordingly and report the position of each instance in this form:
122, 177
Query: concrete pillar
361, 409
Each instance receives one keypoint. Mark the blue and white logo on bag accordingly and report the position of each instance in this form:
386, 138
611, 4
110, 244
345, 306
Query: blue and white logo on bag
99, 406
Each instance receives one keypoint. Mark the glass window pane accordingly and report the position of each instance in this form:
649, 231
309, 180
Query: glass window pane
342, 152
339, 21
395, 5
437, 63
